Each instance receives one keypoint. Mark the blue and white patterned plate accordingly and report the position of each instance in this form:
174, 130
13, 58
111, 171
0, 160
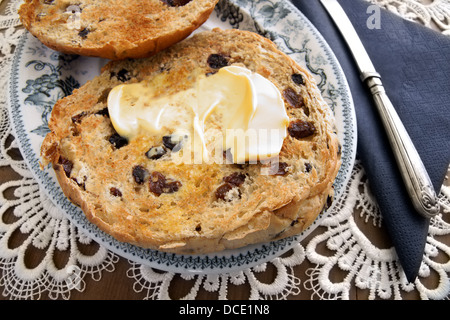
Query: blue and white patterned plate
40, 76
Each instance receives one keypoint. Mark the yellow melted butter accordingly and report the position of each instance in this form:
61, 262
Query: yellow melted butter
234, 109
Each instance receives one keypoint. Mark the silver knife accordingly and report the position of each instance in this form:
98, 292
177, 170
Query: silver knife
414, 174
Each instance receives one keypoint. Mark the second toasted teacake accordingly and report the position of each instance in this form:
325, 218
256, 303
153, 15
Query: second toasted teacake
113, 29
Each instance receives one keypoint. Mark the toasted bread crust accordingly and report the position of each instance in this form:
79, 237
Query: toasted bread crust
114, 29
192, 220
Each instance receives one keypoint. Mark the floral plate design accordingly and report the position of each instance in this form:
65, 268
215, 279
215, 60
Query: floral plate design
41, 76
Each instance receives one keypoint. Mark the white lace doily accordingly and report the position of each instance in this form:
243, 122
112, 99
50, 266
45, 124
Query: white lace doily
25, 210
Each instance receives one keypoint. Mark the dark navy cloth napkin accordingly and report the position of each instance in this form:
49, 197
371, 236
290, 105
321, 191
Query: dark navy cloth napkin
414, 63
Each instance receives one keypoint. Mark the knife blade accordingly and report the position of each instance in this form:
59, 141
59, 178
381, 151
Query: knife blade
411, 167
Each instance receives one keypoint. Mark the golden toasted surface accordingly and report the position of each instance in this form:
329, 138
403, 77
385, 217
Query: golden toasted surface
113, 29
194, 208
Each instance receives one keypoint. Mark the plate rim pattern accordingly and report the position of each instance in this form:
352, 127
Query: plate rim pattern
226, 261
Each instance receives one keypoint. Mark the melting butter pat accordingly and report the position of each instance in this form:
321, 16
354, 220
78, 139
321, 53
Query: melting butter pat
233, 110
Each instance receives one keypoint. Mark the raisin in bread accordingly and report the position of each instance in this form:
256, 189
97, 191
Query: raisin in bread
132, 189
113, 29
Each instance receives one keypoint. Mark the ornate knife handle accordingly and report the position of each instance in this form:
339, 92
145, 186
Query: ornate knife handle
411, 166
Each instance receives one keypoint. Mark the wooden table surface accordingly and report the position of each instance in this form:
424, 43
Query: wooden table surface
117, 285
